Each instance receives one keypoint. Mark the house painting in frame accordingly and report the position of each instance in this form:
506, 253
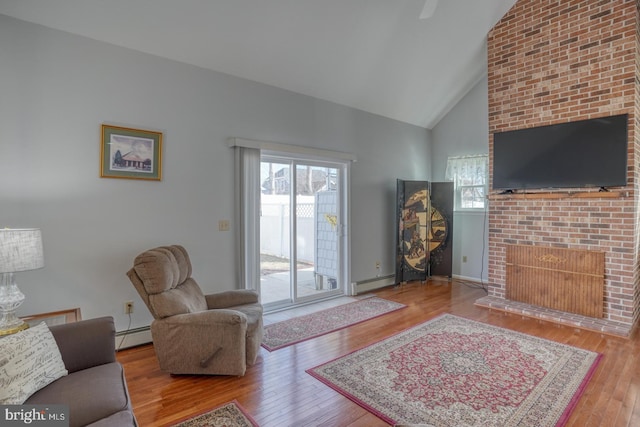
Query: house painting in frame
130, 153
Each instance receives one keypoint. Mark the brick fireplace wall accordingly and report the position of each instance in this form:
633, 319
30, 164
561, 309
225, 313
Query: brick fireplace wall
552, 62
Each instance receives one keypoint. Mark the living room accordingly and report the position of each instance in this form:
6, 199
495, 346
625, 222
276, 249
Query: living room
58, 88
62, 84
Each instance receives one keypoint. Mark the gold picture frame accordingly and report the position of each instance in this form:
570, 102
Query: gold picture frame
130, 153
54, 318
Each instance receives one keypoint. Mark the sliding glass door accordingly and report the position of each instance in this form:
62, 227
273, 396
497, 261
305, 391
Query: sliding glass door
300, 230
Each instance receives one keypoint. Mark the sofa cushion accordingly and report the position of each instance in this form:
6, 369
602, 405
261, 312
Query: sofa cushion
91, 394
29, 360
122, 418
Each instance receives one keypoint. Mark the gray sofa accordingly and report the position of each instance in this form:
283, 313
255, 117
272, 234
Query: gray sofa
95, 389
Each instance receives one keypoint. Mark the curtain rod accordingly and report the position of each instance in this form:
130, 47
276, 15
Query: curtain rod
288, 148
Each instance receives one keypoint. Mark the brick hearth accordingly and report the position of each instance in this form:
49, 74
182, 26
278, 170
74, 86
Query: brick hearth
536, 312
552, 62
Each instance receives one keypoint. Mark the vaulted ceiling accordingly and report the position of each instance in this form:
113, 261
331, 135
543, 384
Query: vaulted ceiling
379, 56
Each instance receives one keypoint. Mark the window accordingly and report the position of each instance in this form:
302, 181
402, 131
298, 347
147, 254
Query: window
469, 176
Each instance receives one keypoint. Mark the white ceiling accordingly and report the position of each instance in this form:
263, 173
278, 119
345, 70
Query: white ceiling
374, 55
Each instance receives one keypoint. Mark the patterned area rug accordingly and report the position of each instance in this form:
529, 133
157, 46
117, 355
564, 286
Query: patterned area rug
292, 331
228, 415
452, 371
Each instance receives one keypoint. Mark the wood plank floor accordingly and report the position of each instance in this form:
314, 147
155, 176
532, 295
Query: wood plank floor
277, 391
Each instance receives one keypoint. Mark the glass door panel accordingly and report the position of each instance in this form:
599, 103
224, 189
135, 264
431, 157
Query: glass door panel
316, 231
306, 266
275, 236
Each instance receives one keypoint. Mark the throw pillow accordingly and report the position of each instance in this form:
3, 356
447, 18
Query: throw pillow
29, 360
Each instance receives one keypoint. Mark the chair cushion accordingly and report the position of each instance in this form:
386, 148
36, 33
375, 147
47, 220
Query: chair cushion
253, 313
254, 329
185, 298
165, 273
182, 258
91, 394
158, 270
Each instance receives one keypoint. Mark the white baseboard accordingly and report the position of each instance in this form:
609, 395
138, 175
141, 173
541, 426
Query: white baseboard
142, 335
380, 282
133, 337
470, 279
371, 284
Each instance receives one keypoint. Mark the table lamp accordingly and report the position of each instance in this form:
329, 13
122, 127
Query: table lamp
20, 250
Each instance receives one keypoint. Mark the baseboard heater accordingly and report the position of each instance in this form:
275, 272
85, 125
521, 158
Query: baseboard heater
367, 285
133, 337
142, 335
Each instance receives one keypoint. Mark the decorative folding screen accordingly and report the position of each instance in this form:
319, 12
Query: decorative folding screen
424, 223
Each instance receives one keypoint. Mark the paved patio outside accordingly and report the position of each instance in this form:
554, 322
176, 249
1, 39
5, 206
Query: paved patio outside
276, 286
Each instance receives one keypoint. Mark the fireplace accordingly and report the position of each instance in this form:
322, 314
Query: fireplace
543, 71
568, 280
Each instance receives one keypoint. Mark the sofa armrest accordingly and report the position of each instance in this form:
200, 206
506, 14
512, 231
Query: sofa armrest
86, 343
231, 298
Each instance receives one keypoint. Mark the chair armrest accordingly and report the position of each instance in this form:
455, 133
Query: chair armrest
231, 298
209, 317
86, 343
204, 342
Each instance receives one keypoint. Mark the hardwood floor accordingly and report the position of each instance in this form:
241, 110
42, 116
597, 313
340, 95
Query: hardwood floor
278, 392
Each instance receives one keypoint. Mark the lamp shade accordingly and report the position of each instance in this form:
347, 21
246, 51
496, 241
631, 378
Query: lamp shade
20, 249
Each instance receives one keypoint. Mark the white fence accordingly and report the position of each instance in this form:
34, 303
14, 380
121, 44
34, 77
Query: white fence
275, 238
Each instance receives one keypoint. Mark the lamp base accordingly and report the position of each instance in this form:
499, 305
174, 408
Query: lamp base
14, 329
10, 299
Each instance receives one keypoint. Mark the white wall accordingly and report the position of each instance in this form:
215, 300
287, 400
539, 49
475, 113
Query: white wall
465, 131
56, 89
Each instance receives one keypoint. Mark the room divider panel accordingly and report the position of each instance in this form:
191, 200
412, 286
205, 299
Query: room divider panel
424, 224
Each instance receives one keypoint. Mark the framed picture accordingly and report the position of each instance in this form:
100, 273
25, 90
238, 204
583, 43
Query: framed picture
54, 318
130, 153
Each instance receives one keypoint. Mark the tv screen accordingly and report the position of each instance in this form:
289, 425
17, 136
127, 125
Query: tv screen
586, 153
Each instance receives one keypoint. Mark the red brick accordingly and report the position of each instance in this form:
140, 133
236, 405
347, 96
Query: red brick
551, 62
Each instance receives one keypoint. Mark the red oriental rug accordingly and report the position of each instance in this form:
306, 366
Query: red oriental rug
230, 414
452, 371
297, 329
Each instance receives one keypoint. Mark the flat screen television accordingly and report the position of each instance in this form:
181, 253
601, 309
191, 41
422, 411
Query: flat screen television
579, 154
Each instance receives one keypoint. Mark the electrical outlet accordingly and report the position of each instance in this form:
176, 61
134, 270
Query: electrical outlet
128, 307
377, 265
464, 258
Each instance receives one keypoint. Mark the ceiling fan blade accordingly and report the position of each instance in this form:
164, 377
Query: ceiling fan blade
429, 9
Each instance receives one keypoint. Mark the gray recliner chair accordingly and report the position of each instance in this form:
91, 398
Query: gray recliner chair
193, 333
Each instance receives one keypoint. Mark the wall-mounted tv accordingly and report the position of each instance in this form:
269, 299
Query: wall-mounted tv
585, 153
